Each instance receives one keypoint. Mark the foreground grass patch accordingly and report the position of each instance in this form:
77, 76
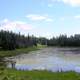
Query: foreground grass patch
10, 74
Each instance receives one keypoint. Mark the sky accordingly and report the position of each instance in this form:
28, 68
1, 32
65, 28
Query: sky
46, 18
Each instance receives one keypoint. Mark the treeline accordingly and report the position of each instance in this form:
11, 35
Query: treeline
63, 40
11, 41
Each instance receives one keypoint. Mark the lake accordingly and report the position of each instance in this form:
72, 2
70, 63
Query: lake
52, 59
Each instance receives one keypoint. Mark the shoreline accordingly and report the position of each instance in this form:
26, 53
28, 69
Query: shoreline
11, 53
10, 74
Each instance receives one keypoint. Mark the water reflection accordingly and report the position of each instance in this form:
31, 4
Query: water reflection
53, 59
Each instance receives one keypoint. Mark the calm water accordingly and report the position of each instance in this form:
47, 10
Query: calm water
54, 59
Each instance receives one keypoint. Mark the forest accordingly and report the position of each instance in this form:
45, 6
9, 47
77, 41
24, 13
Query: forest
11, 41
64, 41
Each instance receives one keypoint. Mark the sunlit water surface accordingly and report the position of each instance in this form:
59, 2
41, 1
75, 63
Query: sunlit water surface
53, 59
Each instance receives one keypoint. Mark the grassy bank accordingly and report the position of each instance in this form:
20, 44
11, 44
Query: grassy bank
19, 51
9, 74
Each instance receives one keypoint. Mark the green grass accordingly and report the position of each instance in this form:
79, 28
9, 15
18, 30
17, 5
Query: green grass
20, 51
12, 74
41, 46
17, 51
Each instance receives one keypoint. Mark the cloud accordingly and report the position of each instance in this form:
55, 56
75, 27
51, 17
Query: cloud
49, 20
73, 3
77, 17
5, 20
50, 5
34, 17
14, 25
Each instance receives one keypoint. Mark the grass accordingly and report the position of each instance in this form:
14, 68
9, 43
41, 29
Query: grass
41, 46
12, 74
17, 51
9, 53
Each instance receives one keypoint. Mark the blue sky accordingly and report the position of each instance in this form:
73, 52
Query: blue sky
40, 17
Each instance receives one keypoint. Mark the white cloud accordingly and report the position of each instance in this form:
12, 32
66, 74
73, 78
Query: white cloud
49, 20
14, 25
77, 17
5, 20
50, 5
34, 17
70, 2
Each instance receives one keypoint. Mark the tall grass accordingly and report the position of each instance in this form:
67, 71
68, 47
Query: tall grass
12, 74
